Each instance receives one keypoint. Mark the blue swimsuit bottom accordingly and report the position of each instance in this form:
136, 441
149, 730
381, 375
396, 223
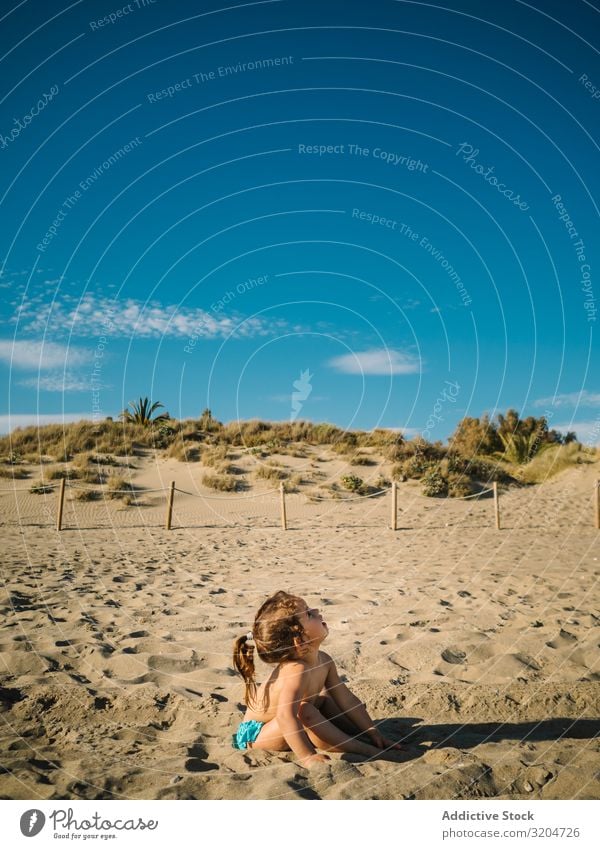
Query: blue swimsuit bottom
246, 733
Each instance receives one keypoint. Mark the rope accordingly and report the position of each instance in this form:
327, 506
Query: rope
474, 495
86, 487
28, 488
225, 497
350, 498
451, 498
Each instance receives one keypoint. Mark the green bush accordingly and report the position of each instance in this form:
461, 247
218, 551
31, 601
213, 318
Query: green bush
351, 482
458, 485
435, 484
415, 467
40, 488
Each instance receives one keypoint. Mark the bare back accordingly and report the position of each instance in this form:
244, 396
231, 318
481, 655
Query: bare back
267, 697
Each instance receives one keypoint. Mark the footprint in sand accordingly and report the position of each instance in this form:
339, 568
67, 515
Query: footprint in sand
196, 761
161, 663
454, 655
564, 639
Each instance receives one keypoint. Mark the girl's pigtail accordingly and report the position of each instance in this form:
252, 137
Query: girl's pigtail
243, 662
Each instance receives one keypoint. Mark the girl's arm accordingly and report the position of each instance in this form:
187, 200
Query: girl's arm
292, 676
352, 707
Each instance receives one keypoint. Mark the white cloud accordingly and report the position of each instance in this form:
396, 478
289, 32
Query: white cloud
382, 361
35, 354
587, 432
60, 382
95, 315
570, 399
12, 420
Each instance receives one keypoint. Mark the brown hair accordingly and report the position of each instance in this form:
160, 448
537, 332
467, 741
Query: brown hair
275, 626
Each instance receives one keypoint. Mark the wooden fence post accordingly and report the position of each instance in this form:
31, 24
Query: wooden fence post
394, 523
283, 514
170, 505
496, 505
61, 501
598, 504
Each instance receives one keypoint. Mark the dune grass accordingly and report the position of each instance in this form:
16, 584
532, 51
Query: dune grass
13, 472
555, 459
119, 487
221, 483
271, 472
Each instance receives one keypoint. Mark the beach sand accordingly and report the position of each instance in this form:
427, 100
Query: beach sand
479, 647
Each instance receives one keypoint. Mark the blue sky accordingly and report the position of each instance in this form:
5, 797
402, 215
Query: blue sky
373, 202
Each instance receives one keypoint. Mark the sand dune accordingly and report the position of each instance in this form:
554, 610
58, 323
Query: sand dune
480, 648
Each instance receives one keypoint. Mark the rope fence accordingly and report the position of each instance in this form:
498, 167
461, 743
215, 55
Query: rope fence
286, 507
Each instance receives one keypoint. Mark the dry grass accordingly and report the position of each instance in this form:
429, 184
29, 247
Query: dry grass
222, 483
60, 472
362, 460
271, 473
63, 442
40, 488
185, 452
86, 495
13, 472
214, 456
118, 487
554, 460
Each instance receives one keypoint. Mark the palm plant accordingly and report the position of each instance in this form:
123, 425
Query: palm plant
141, 412
519, 448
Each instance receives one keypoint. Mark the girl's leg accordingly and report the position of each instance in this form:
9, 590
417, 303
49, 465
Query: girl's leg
325, 735
270, 737
331, 710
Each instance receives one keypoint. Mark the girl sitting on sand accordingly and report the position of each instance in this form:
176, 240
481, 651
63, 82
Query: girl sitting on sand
303, 705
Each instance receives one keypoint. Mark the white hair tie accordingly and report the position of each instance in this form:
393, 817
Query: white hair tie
249, 635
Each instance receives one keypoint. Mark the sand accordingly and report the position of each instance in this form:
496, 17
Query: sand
479, 647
